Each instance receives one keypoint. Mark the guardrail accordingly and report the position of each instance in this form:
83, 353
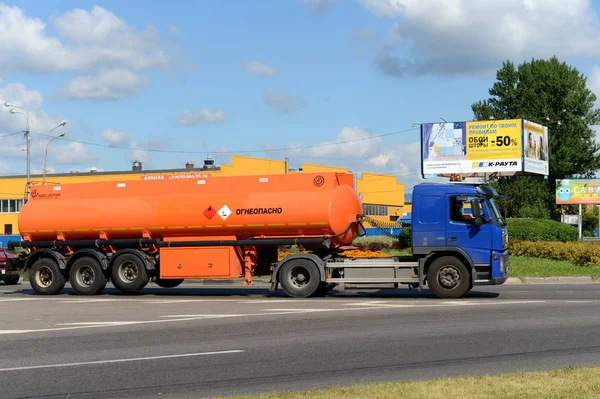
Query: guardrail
591, 239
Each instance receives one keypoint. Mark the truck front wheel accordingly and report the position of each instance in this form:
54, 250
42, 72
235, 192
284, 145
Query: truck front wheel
45, 277
299, 278
448, 277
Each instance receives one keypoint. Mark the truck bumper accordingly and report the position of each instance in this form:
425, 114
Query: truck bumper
494, 274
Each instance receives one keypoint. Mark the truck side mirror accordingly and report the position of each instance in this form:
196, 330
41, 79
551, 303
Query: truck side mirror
476, 211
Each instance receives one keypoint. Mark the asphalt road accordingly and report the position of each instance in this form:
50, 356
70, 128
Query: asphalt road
193, 342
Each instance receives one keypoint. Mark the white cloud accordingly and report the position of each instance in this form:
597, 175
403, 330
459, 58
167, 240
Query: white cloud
196, 117
72, 153
116, 138
138, 154
360, 151
453, 37
594, 82
259, 68
90, 42
283, 102
40, 123
106, 85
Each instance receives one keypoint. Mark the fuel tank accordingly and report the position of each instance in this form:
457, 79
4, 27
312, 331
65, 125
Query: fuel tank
286, 205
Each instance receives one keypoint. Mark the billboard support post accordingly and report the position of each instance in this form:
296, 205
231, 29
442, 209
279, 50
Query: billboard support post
579, 223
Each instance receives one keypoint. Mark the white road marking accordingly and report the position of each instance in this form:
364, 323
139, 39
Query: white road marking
133, 359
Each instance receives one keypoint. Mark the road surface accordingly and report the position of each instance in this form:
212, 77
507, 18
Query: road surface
192, 342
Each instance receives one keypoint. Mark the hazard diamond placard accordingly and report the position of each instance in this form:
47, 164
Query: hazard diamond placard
224, 212
209, 212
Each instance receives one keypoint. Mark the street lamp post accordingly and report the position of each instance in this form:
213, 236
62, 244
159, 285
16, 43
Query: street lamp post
48, 145
28, 139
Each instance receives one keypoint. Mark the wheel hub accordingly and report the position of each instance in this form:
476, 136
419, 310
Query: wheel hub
44, 277
86, 276
449, 277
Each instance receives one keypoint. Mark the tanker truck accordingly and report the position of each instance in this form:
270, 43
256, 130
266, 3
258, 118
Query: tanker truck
167, 230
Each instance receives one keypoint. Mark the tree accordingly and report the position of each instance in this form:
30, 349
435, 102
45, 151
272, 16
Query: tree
556, 95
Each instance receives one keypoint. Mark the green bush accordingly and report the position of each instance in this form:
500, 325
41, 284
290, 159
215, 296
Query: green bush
578, 253
404, 239
541, 230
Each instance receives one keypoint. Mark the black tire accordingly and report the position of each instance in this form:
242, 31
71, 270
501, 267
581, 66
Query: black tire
87, 277
324, 288
11, 280
448, 277
168, 282
299, 278
129, 273
46, 277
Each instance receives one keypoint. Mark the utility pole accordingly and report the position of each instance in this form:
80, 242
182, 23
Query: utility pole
28, 141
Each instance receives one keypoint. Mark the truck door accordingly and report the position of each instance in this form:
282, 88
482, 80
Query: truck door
461, 231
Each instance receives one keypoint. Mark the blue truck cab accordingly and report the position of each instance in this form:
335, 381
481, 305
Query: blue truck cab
459, 225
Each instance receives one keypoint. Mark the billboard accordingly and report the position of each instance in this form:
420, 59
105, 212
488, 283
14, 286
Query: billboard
479, 147
577, 191
535, 155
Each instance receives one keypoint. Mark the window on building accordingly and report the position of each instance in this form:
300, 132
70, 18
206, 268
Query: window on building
10, 205
375, 210
8, 229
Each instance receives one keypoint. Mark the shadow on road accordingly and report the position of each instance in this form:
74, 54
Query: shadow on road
260, 292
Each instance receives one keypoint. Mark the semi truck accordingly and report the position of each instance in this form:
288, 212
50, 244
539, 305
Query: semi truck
132, 232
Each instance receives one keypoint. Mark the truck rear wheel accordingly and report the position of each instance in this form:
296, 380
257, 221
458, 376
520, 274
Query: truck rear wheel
299, 278
87, 277
128, 273
448, 277
45, 277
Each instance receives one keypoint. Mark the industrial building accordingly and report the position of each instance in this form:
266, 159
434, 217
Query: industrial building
383, 197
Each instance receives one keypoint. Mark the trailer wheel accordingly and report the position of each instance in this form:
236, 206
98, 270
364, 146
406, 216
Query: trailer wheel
45, 277
168, 282
299, 278
448, 277
11, 280
87, 277
128, 273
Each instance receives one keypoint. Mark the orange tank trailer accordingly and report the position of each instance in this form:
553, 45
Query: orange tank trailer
213, 227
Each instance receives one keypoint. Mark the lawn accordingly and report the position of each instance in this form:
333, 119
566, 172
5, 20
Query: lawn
537, 267
565, 383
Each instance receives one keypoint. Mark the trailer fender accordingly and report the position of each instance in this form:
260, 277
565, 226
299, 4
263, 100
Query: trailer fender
46, 253
99, 256
149, 261
314, 258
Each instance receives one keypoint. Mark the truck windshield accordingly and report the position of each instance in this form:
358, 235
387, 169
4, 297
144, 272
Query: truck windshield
496, 216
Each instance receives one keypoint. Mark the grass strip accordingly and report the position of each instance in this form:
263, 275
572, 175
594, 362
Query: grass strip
580, 382
521, 266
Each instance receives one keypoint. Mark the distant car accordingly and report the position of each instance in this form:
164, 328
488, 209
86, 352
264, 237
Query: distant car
8, 279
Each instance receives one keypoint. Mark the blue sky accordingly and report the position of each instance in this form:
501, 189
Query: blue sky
222, 77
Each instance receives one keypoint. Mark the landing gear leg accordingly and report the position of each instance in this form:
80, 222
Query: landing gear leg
250, 257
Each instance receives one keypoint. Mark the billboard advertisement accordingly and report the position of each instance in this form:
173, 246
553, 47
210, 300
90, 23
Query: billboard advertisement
535, 154
472, 147
477, 147
577, 191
